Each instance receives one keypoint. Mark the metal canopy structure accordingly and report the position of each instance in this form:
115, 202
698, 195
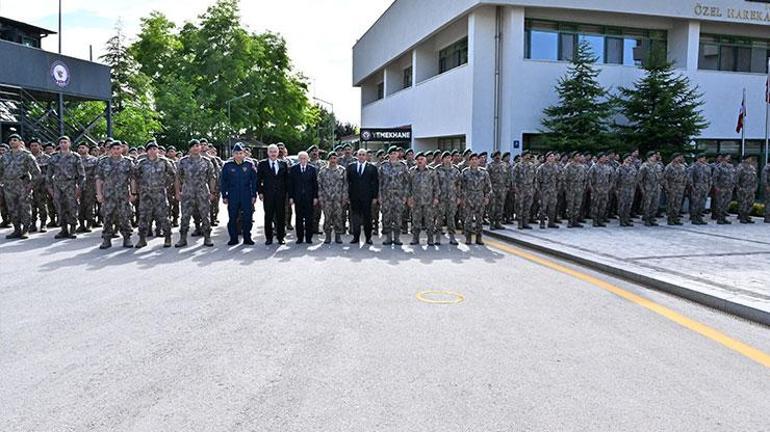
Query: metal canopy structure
37, 87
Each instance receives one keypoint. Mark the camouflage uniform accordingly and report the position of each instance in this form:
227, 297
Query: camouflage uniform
115, 175
524, 181
65, 175
394, 184
152, 178
214, 210
575, 177
318, 164
500, 176
476, 189
40, 193
724, 182
649, 183
547, 180
18, 172
600, 180
746, 190
675, 181
173, 203
196, 174
332, 194
449, 193
699, 179
423, 191
88, 192
625, 188
766, 191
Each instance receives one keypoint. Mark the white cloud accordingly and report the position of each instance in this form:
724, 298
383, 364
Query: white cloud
320, 33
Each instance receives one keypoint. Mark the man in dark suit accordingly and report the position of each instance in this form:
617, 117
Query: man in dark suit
303, 194
363, 188
272, 184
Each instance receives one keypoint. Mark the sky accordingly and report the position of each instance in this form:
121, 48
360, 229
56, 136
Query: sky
320, 33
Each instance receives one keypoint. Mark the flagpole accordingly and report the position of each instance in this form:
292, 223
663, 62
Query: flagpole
743, 129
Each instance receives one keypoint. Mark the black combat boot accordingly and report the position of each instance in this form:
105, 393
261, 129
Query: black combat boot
64, 233
207, 239
106, 243
479, 241
553, 225
197, 231
415, 238
182, 239
127, 242
397, 238
388, 239
328, 238
142, 241
452, 240
33, 228
82, 228
337, 238
430, 239
167, 241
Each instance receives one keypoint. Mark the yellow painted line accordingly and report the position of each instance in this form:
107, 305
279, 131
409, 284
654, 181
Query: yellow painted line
752, 353
423, 296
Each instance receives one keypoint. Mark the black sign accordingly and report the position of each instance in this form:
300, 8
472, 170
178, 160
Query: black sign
394, 135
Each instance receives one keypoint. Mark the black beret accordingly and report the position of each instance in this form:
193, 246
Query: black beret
380, 152
116, 144
483, 154
193, 142
651, 153
33, 140
473, 155
238, 147
419, 155
170, 148
48, 144
409, 151
393, 149
331, 155
83, 143
495, 153
12, 136
445, 154
312, 148
150, 144
506, 154
162, 148
467, 152
455, 152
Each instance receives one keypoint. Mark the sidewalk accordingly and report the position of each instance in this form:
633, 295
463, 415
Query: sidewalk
726, 267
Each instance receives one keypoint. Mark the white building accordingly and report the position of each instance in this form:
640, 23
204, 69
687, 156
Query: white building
479, 73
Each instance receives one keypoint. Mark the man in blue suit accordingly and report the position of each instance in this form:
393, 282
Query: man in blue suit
239, 193
303, 194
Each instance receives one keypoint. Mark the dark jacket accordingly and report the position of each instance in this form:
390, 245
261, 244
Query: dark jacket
269, 183
362, 188
238, 182
303, 188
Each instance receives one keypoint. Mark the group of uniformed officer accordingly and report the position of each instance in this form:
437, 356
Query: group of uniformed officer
119, 188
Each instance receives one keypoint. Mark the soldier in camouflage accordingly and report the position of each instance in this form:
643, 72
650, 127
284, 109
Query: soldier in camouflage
218, 164
599, 180
675, 184
575, 178
626, 177
394, 185
524, 183
65, 179
18, 173
113, 192
699, 181
88, 193
649, 184
765, 186
476, 190
547, 179
152, 176
746, 183
423, 198
332, 198
39, 191
318, 163
173, 203
449, 197
194, 183
500, 176
724, 183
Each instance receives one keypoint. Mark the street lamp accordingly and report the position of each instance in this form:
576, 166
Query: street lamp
331, 132
229, 118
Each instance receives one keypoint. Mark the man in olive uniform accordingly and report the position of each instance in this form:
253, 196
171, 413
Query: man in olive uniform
394, 184
625, 182
39, 191
675, 184
18, 173
649, 184
476, 190
500, 176
547, 183
5, 219
65, 179
449, 197
699, 181
724, 184
194, 185
423, 198
87, 201
49, 149
509, 208
151, 178
746, 183
600, 180
575, 177
766, 190
113, 192
318, 163
173, 203
332, 198
218, 165
524, 184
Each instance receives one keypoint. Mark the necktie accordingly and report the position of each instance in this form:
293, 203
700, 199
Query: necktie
360, 169
275, 167
303, 169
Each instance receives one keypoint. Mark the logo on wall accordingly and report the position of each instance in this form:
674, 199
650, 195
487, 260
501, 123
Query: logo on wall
366, 136
387, 135
60, 74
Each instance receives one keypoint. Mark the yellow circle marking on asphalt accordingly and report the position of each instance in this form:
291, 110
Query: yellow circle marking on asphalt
455, 298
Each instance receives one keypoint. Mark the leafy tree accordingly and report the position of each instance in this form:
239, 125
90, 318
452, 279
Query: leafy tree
662, 109
581, 118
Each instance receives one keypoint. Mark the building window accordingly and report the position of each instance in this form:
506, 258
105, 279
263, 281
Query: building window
551, 40
452, 56
731, 54
30, 42
408, 77
380, 90
451, 143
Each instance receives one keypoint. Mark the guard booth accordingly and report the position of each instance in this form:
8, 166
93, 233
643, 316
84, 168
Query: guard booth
37, 87
381, 138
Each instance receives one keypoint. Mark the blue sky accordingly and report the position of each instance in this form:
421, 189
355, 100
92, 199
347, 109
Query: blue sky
320, 33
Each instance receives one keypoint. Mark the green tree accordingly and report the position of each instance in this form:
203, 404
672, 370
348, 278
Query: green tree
662, 108
581, 118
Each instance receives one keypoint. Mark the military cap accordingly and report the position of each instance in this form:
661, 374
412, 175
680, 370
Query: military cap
133, 150
651, 153
626, 156
467, 152
12, 136
281, 144
203, 141
393, 149
496, 153
83, 143
409, 151
48, 144
161, 148
312, 148
445, 154
747, 157
331, 155
193, 142
526, 152
115, 144
63, 137
150, 144
419, 155
170, 148
473, 155
483, 154
93, 146
455, 152
337, 148
436, 152
5, 146
675, 155
33, 140
238, 147
108, 139
550, 153
601, 154
380, 152
506, 154
344, 146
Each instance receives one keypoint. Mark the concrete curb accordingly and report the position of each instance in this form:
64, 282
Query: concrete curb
740, 310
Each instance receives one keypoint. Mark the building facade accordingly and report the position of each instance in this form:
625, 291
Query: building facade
478, 74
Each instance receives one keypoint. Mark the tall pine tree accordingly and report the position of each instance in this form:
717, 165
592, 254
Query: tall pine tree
662, 109
580, 121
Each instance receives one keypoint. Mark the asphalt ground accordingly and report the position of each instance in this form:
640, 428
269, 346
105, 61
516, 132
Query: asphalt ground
340, 338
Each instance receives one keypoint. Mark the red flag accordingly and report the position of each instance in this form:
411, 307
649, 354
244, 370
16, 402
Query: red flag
741, 115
